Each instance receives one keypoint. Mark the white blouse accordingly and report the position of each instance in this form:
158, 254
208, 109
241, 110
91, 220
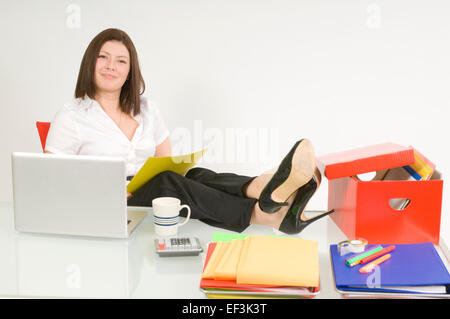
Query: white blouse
82, 127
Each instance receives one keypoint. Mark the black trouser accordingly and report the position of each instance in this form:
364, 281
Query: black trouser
214, 198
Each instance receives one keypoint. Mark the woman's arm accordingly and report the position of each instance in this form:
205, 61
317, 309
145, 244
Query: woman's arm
164, 149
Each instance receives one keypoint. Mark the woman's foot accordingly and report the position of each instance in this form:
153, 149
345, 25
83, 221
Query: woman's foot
260, 217
273, 188
291, 219
255, 187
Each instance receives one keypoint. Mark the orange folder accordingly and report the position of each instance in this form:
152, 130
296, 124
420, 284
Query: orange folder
265, 260
283, 261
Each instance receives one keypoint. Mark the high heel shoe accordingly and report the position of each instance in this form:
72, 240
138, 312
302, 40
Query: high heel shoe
294, 221
296, 169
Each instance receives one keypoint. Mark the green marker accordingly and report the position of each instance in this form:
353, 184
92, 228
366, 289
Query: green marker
355, 259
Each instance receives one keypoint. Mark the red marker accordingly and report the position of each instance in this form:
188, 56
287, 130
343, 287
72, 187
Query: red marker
377, 254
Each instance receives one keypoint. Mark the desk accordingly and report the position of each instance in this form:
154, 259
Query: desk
35, 265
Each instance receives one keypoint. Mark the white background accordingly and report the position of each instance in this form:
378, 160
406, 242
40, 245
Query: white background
345, 74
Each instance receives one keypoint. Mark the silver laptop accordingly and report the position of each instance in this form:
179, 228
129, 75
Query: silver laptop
72, 195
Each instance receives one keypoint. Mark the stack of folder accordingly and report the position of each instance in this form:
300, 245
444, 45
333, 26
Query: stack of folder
421, 170
261, 266
414, 270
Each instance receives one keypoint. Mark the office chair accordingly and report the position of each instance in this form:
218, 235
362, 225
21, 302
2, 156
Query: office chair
43, 128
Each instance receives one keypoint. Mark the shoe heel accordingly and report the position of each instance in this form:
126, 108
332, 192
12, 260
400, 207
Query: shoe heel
293, 222
313, 219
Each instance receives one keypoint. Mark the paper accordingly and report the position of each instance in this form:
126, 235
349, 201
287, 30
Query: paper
219, 236
227, 267
265, 260
155, 165
282, 261
209, 272
230, 289
415, 289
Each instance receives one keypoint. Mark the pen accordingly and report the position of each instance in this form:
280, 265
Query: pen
377, 254
355, 259
369, 267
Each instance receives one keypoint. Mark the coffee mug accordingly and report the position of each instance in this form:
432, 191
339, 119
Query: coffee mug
165, 215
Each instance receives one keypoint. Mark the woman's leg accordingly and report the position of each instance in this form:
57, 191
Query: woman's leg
227, 182
242, 186
210, 205
276, 190
228, 200
256, 185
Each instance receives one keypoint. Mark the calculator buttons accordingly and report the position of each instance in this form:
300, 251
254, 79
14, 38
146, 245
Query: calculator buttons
182, 246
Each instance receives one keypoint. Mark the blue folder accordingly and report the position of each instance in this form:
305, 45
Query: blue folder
410, 265
412, 172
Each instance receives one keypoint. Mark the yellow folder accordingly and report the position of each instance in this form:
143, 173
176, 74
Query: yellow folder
283, 261
155, 165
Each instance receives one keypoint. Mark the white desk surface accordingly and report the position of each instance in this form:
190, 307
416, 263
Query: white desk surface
66, 266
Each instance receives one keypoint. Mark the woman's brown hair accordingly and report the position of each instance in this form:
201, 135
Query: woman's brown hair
133, 87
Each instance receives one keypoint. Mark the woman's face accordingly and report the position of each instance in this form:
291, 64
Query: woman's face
112, 67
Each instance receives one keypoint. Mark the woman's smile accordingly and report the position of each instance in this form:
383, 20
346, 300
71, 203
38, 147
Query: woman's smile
109, 76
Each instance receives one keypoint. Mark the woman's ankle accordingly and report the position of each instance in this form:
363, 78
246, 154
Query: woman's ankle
259, 217
256, 185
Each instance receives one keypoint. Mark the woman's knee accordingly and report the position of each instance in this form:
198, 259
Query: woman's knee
193, 172
200, 173
166, 175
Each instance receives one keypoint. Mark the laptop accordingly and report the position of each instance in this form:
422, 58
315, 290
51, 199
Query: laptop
72, 195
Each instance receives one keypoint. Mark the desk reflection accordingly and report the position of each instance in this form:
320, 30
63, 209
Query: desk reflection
61, 266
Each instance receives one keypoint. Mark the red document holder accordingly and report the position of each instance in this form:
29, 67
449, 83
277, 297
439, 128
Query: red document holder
362, 208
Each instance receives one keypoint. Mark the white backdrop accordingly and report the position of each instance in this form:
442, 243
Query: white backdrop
252, 75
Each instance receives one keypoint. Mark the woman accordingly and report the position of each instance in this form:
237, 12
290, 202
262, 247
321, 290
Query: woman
110, 117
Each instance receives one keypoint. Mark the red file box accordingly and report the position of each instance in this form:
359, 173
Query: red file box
362, 208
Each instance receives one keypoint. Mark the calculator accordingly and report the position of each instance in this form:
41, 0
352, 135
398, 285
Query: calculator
178, 246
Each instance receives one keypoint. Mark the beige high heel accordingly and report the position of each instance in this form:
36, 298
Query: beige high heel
296, 169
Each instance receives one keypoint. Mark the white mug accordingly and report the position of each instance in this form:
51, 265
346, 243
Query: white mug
165, 215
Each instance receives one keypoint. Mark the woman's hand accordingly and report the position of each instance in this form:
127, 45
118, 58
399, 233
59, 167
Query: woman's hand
129, 195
